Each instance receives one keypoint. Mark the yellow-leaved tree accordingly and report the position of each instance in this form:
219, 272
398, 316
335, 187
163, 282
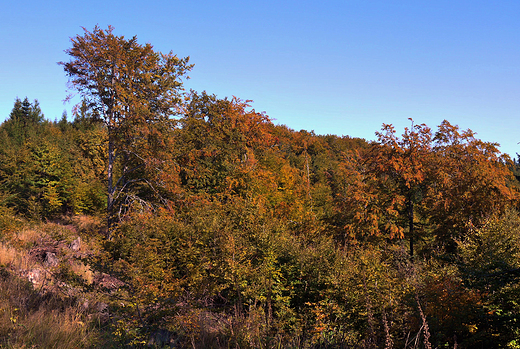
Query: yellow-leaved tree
134, 90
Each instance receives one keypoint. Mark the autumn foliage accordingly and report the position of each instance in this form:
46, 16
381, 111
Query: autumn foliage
227, 230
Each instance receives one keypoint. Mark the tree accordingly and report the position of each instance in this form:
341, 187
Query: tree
218, 138
444, 181
403, 162
489, 262
26, 112
23, 118
471, 182
386, 184
134, 91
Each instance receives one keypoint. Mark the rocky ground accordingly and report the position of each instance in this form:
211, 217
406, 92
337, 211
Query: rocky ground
50, 294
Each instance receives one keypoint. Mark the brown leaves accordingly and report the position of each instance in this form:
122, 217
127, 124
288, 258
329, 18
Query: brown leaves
446, 181
471, 179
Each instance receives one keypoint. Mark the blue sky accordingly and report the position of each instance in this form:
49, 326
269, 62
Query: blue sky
335, 67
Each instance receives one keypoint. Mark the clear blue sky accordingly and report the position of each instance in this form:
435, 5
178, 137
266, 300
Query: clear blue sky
335, 67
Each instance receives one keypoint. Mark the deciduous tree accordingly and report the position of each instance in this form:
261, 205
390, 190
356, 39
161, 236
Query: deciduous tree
134, 90
471, 181
402, 164
387, 183
446, 181
218, 141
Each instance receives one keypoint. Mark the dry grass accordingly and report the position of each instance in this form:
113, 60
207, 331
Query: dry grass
87, 223
53, 329
31, 319
201, 329
29, 236
82, 270
13, 258
8, 255
40, 307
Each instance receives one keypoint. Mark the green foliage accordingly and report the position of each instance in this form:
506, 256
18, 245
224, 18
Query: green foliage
134, 91
236, 258
226, 230
8, 220
269, 237
490, 264
23, 120
56, 169
494, 247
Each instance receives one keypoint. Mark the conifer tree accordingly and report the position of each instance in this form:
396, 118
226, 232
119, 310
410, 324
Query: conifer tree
22, 119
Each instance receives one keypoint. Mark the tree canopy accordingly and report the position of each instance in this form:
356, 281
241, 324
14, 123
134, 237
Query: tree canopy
233, 231
135, 91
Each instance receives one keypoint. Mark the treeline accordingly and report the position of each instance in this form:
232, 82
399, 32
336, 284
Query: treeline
229, 230
285, 236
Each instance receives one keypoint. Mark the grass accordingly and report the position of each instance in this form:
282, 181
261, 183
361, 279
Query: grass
9, 256
29, 236
33, 319
83, 271
38, 308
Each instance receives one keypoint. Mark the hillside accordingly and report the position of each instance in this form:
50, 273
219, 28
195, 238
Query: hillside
258, 236
159, 218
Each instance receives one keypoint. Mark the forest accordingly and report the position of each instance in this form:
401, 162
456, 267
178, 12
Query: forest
158, 217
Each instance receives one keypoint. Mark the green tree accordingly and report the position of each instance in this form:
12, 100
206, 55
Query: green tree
23, 119
489, 262
26, 112
134, 90
38, 172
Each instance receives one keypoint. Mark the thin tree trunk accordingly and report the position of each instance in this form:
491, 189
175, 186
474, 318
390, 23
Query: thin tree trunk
410, 223
110, 184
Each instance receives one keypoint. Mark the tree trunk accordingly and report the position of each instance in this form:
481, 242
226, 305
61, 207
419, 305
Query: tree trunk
410, 223
110, 184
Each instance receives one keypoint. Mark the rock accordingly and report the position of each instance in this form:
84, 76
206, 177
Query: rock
50, 259
102, 311
101, 307
34, 276
75, 245
107, 281
85, 304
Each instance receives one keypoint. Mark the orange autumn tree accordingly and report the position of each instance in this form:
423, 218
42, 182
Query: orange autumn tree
216, 144
399, 170
471, 178
134, 91
385, 184
417, 183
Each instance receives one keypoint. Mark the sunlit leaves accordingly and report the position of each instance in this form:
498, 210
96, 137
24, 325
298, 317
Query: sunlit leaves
471, 180
409, 185
134, 90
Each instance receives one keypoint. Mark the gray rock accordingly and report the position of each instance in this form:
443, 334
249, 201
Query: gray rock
161, 338
50, 259
75, 245
86, 304
101, 307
